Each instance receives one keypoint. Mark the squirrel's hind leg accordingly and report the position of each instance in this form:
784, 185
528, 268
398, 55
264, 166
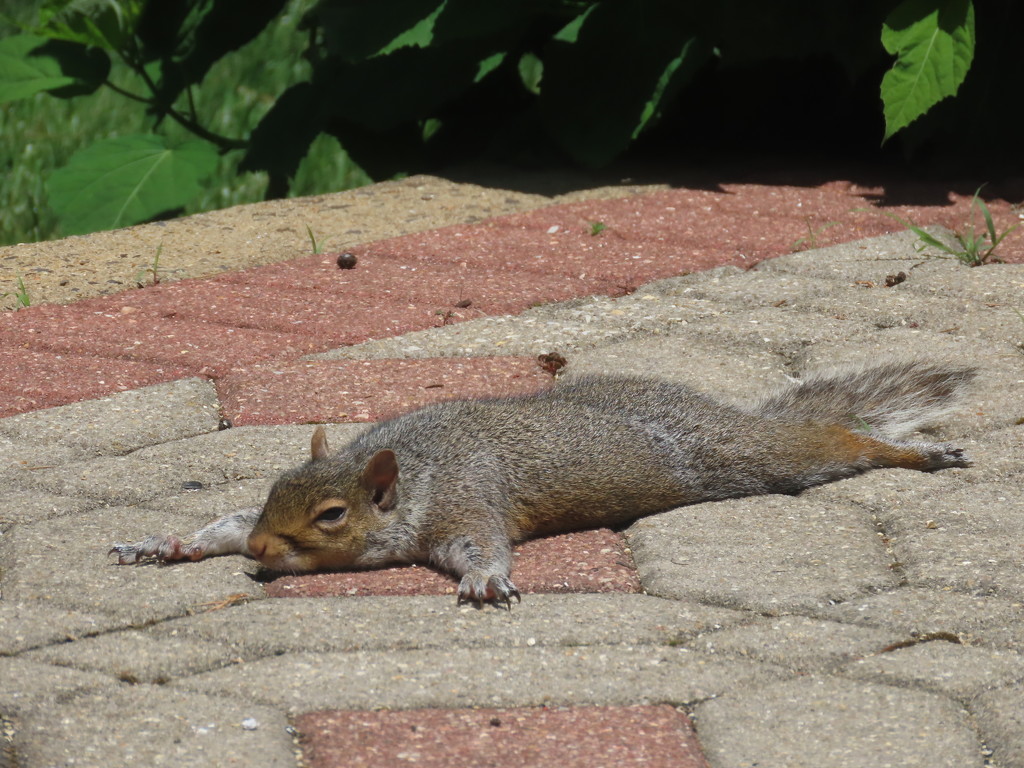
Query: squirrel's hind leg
924, 457
227, 535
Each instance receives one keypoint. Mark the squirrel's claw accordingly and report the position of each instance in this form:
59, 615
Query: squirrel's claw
160, 548
477, 588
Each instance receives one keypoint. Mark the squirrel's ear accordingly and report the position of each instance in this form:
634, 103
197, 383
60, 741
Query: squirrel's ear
319, 446
380, 478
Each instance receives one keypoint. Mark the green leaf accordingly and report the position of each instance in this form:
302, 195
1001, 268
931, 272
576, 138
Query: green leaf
30, 64
127, 180
531, 70
355, 29
934, 44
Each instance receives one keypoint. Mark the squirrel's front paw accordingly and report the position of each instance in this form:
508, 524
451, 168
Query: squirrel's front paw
476, 587
161, 548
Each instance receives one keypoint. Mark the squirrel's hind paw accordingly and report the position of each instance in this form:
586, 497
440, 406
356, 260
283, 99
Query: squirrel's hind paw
160, 548
944, 456
479, 587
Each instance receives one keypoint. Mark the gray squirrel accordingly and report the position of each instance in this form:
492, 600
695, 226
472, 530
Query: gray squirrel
458, 483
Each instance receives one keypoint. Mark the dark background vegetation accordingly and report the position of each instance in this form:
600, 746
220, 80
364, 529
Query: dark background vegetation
230, 101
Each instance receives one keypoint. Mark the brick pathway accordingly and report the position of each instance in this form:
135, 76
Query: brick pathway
251, 333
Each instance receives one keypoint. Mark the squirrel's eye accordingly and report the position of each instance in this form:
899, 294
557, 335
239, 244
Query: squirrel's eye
331, 514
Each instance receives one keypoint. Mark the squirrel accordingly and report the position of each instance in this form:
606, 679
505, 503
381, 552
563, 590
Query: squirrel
456, 484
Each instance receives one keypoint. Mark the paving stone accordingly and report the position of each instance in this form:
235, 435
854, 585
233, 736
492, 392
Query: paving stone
651, 736
246, 452
439, 288
941, 666
726, 372
28, 686
27, 506
122, 422
33, 379
259, 233
977, 619
585, 561
210, 502
548, 248
882, 490
214, 458
88, 328
21, 459
971, 540
883, 306
565, 327
136, 657
369, 390
30, 625
994, 284
284, 308
1000, 718
798, 642
783, 330
355, 624
478, 677
118, 480
67, 567
996, 456
869, 260
812, 722
766, 553
149, 725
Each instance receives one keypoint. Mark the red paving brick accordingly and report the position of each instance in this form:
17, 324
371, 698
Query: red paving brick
579, 737
586, 561
98, 328
439, 286
678, 230
331, 320
30, 380
368, 390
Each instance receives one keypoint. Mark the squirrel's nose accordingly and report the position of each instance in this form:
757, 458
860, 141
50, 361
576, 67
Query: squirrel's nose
257, 545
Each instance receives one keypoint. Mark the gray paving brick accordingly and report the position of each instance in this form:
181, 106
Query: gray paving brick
976, 619
137, 657
32, 624
870, 260
213, 458
312, 624
812, 722
123, 422
798, 642
766, 553
149, 725
1000, 717
479, 677
942, 666
971, 540
997, 456
28, 686
68, 567
27, 506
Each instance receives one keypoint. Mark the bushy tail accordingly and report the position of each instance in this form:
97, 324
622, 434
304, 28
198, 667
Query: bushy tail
890, 400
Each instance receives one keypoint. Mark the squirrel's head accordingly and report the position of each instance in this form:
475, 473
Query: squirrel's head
318, 516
